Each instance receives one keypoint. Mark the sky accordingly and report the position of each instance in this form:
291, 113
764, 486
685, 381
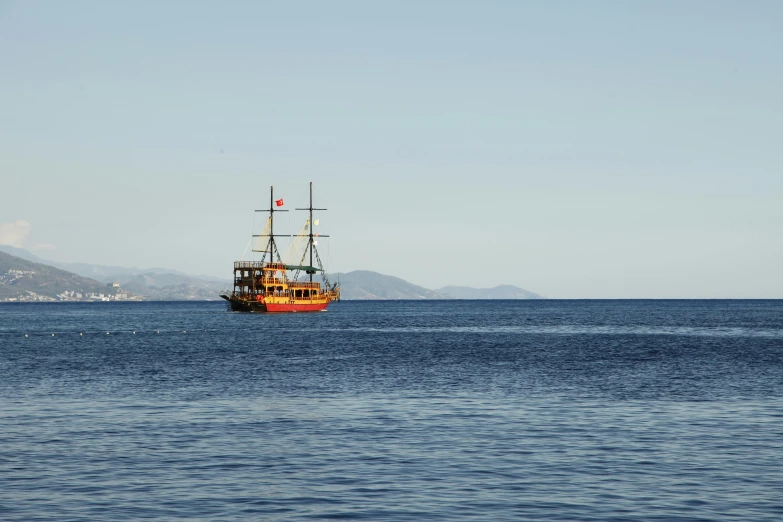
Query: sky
602, 149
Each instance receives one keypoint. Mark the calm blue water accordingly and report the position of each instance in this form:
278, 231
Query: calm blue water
490, 410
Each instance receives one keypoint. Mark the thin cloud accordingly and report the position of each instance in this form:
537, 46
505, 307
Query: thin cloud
13, 233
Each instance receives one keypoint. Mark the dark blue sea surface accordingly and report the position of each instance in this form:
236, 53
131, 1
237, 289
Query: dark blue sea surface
396, 410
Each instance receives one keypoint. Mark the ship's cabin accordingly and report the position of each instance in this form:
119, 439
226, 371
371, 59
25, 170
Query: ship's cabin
272, 280
269, 279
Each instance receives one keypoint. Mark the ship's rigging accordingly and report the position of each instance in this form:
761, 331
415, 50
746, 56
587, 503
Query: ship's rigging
265, 286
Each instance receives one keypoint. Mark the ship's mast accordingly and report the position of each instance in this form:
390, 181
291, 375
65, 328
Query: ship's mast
311, 228
271, 247
271, 221
311, 242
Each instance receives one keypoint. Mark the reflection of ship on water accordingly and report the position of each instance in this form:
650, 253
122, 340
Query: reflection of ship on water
272, 285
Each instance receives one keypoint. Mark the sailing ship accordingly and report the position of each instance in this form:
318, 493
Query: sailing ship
271, 285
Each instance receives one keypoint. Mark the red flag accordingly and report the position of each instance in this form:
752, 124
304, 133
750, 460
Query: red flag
279, 202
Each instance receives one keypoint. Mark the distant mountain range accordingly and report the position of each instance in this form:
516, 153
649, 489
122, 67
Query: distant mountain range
159, 284
170, 285
25, 280
498, 292
102, 272
364, 284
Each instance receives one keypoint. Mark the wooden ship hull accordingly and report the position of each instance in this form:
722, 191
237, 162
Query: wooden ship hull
266, 286
240, 305
262, 287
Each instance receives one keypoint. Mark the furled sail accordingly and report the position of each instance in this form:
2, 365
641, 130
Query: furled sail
296, 247
262, 242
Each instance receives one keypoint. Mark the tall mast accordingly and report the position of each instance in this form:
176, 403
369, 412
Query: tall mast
271, 222
311, 230
311, 242
271, 246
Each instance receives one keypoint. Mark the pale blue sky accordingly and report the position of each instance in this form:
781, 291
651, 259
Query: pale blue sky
576, 149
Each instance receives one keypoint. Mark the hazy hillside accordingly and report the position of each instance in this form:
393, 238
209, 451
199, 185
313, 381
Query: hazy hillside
22, 253
169, 285
153, 283
498, 292
172, 287
364, 284
46, 280
118, 274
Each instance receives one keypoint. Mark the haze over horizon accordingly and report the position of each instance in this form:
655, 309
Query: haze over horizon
577, 150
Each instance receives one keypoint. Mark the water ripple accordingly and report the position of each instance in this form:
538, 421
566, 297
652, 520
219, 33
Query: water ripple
393, 411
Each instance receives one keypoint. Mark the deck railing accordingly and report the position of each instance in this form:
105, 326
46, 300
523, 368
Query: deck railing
248, 264
262, 281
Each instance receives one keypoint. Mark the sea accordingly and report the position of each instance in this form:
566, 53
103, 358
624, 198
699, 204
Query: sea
393, 410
